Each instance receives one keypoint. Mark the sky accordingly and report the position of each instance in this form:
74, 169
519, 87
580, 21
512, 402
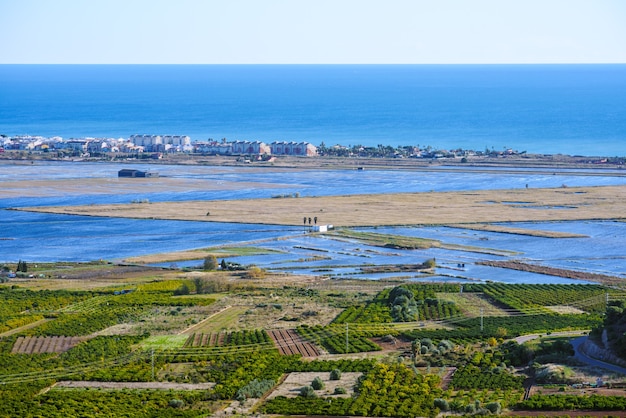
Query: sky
312, 31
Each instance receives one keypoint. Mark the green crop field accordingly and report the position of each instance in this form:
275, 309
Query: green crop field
455, 344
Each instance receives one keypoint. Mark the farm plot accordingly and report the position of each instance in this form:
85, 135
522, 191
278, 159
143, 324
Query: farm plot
289, 342
225, 318
473, 304
290, 387
40, 345
224, 338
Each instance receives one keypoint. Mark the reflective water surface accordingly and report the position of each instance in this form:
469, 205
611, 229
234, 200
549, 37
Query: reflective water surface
47, 237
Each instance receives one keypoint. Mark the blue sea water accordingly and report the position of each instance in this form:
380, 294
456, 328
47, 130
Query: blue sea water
569, 109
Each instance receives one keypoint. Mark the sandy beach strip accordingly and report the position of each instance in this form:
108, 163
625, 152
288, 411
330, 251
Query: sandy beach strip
120, 186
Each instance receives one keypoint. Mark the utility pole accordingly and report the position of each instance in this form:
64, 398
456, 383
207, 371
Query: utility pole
346, 337
152, 361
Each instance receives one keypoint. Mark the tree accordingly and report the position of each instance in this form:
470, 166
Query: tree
442, 404
255, 272
494, 407
430, 263
416, 348
501, 332
307, 392
335, 374
183, 290
210, 262
317, 384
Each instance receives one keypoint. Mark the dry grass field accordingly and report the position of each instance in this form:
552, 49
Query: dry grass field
473, 303
442, 208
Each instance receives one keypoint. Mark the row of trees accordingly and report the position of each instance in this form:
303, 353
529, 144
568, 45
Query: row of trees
22, 266
614, 325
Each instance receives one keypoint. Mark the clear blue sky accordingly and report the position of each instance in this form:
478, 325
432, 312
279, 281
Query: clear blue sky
312, 31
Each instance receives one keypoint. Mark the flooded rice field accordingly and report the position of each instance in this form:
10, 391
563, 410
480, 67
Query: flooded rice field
48, 237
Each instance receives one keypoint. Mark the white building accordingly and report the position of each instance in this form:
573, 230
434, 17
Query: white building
303, 149
214, 147
251, 147
163, 143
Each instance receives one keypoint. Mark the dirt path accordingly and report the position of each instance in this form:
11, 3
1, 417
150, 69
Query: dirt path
202, 323
24, 327
524, 338
134, 385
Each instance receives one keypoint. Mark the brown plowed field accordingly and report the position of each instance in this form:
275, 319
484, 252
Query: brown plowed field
289, 342
40, 345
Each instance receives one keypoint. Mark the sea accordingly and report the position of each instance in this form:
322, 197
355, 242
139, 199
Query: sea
552, 109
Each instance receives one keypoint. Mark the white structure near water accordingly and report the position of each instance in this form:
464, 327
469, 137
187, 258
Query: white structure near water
302, 149
163, 143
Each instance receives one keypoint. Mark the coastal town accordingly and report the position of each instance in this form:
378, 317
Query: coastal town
154, 144
160, 145
175, 147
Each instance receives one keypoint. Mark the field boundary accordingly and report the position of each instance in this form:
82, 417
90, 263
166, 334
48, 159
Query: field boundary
81, 384
191, 329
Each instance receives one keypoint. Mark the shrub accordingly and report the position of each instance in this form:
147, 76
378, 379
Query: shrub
183, 290
254, 389
442, 404
430, 263
176, 403
307, 392
317, 384
340, 391
335, 374
255, 272
445, 345
494, 407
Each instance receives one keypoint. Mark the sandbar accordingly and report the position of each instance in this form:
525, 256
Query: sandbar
429, 208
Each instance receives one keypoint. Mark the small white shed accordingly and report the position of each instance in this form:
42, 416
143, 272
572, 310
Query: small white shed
321, 228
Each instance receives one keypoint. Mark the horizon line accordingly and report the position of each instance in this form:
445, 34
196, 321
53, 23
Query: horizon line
318, 63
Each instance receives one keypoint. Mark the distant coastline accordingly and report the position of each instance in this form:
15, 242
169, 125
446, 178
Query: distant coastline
364, 160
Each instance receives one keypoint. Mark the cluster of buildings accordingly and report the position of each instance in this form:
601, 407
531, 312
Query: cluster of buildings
303, 149
162, 143
74, 146
154, 144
